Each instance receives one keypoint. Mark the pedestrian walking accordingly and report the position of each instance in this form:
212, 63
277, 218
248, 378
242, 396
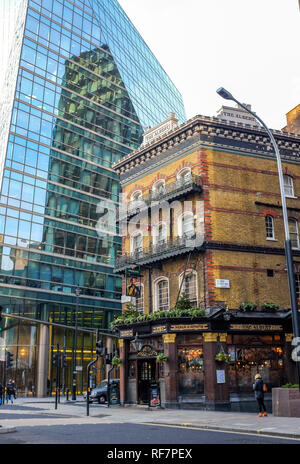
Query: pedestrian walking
1, 393
258, 388
10, 391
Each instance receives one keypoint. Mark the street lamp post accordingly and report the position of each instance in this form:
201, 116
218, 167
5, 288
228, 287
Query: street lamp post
77, 293
287, 244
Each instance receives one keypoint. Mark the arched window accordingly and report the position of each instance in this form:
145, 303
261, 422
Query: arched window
160, 234
162, 295
269, 227
136, 200
136, 242
184, 176
288, 185
186, 226
158, 188
190, 286
293, 229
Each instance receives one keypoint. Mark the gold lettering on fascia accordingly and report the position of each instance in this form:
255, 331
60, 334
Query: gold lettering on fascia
255, 327
126, 333
146, 352
189, 327
159, 328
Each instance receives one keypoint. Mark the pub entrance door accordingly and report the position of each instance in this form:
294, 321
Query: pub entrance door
146, 376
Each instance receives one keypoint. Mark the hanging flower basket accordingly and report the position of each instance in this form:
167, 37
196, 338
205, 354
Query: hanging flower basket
116, 361
222, 357
161, 358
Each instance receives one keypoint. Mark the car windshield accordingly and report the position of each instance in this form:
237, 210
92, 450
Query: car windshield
102, 384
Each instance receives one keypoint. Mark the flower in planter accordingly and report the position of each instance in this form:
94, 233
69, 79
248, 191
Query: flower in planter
161, 358
222, 357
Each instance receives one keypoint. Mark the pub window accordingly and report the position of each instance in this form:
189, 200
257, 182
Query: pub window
186, 226
190, 287
136, 196
136, 200
288, 186
160, 234
136, 242
190, 370
140, 299
158, 188
162, 295
293, 229
184, 176
269, 227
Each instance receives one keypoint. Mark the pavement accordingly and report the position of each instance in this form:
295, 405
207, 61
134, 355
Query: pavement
43, 413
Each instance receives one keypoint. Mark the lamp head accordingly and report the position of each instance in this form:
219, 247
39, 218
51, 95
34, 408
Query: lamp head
224, 93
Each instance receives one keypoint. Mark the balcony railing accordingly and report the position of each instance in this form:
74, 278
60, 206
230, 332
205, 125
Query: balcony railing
158, 251
170, 191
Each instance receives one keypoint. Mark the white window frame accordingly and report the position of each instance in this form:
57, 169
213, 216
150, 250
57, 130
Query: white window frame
136, 196
184, 175
295, 233
142, 298
166, 306
136, 199
159, 187
182, 285
180, 224
269, 217
156, 229
288, 183
133, 237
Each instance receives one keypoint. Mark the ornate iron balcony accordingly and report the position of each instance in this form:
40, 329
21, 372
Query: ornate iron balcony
170, 191
158, 251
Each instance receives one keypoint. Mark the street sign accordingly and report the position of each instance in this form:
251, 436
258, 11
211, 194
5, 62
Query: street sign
222, 283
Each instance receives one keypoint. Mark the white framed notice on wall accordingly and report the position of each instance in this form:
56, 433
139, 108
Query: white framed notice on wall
222, 283
220, 376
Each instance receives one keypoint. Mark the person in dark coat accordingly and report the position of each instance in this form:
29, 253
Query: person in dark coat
10, 391
258, 388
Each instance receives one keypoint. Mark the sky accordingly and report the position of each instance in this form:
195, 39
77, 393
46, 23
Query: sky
250, 47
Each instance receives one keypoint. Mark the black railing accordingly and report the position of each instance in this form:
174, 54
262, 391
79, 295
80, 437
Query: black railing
158, 251
169, 191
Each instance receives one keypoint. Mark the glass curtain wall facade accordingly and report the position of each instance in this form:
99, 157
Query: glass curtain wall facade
81, 87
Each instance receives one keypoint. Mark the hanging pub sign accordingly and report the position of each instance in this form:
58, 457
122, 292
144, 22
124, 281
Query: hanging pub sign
154, 395
132, 288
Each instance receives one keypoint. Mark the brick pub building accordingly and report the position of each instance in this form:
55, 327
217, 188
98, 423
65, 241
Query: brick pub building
203, 220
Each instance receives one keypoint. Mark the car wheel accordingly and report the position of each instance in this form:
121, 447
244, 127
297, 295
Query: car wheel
101, 399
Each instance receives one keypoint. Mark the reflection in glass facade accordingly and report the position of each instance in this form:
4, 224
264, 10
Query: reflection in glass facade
81, 86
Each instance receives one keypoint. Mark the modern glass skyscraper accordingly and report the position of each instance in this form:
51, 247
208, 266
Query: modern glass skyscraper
80, 88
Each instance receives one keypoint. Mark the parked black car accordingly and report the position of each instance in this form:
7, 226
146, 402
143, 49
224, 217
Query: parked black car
99, 393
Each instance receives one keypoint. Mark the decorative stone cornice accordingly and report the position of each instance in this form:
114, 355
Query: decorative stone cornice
217, 133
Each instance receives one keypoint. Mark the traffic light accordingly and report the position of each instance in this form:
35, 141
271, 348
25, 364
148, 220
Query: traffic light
63, 361
100, 351
9, 359
55, 360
